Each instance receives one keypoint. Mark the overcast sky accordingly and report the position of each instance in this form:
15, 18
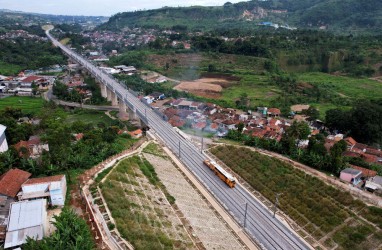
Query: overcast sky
98, 7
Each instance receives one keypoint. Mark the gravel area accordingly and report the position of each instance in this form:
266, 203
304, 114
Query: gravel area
208, 227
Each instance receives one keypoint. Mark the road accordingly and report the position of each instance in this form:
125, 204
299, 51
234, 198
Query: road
268, 232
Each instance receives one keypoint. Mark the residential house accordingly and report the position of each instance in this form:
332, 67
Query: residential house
11, 181
32, 148
368, 173
136, 133
3, 139
211, 128
53, 188
199, 126
374, 184
274, 112
351, 175
26, 219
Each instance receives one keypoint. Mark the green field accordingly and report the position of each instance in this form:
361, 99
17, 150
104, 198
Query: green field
9, 69
27, 104
89, 116
317, 207
359, 88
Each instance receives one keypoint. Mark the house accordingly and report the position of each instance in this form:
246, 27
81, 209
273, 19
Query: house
227, 124
26, 219
52, 187
3, 139
212, 128
365, 172
11, 181
136, 133
199, 126
158, 96
374, 184
274, 112
351, 175
32, 148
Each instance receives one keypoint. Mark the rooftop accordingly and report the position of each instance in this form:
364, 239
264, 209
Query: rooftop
33, 181
351, 171
11, 181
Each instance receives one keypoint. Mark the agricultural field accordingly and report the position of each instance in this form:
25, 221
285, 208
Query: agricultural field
89, 116
141, 207
27, 104
332, 217
355, 88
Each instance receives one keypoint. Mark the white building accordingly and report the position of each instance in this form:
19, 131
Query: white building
3, 139
26, 219
52, 187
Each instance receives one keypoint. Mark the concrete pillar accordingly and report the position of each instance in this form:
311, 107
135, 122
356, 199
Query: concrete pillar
108, 92
103, 90
122, 111
132, 114
114, 99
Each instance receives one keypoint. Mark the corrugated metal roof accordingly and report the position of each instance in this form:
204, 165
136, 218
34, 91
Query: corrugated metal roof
26, 214
27, 219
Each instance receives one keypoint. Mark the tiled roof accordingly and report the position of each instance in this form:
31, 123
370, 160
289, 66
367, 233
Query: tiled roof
11, 181
33, 181
365, 172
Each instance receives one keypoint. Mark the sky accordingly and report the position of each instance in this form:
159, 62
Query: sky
98, 7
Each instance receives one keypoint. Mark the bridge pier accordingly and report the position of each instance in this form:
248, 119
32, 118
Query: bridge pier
122, 111
108, 94
114, 99
103, 90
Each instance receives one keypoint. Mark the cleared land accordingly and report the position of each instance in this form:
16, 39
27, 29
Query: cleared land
209, 229
27, 104
141, 210
89, 116
205, 87
333, 217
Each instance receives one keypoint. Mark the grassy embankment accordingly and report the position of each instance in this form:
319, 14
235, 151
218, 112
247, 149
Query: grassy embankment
138, 218
317, 207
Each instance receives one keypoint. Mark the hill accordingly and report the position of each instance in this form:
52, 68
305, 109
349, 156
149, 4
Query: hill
342, 16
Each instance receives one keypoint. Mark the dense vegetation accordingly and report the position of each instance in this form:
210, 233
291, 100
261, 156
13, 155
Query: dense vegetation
98, 143
20, 54
341, 16
71, 233
363, 121
317, 207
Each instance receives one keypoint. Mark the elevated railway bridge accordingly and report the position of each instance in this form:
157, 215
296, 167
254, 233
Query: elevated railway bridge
265, 230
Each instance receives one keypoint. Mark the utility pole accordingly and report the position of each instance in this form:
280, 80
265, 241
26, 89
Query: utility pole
201, 147
245, 214
276, 203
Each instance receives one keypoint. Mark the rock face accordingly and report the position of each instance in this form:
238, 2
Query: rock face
255, 14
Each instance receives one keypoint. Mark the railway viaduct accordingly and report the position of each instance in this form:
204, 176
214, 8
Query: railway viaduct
255, 220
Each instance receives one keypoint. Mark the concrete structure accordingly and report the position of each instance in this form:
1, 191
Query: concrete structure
26, 219
351, 175
52, 187
3, 139
374, 184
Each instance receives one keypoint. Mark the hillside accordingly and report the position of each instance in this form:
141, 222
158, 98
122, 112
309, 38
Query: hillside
342, 16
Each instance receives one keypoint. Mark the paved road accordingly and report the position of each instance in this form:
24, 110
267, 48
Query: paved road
267, 231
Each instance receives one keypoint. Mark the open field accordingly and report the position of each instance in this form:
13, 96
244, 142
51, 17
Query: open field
141, 210
332, 217
345, 86
9, 69
205, 87
27, 104
89, 116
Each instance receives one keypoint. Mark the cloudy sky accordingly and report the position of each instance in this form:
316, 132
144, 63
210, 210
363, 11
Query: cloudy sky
98, 7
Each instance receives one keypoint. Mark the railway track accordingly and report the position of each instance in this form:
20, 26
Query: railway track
266, 231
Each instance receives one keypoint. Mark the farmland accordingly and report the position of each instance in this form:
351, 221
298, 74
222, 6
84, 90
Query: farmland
27, 104
332, 217
197, 72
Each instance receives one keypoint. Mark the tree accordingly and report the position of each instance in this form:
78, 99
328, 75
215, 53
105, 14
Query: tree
312, 113
71, 233
298, 130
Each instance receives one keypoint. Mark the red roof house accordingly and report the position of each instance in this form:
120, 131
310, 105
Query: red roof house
11, 181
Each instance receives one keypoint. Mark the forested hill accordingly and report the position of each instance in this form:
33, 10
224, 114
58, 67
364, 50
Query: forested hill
343, 16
